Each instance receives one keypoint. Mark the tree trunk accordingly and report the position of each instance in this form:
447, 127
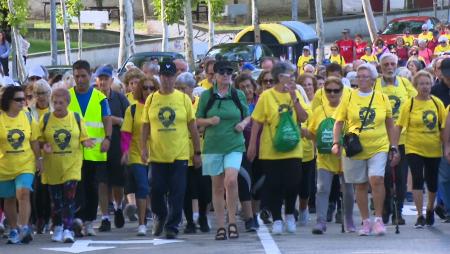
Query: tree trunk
127, 46
255, 21
370, 20
210, 25
145, 10
165, 28
80, 38
385, 9
435, 8
294, 10
99, 3
188, 34
311, 9
66, 31
130, 28
409, 4
53, 33
21, 71
319, 31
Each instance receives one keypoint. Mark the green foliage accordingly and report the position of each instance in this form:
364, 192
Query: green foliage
17, 19
73, 9
174, 9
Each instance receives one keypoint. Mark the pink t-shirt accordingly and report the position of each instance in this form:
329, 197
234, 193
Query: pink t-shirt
427, 55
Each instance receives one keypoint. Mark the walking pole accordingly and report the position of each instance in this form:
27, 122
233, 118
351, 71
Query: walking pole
342, 204
394, 197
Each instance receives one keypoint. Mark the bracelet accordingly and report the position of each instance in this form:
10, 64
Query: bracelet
39, 158
335, 143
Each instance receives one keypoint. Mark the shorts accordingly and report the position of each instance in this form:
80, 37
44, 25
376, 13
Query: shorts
215, 164
359, 171
22, 181
111, 173
137, 180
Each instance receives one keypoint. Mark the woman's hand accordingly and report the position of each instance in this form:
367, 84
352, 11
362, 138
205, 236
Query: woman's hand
144, 155
240, 127
394, 157
39, 165
336, 149
251, 152
88, 143
197, 161
215, 120
47, 148
124, 159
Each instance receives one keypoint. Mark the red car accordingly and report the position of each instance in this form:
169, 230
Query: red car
397, 27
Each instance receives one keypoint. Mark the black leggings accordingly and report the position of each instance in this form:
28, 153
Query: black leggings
41, 203
281, 183
198, 187
424, 169
306, 178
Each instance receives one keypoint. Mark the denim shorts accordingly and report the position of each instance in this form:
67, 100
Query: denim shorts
137, 180
22, 181
215, 164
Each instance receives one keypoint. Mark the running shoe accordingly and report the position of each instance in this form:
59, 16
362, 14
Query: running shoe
26, 235
142, 230
303, 217
319, 228
68, 236
429, 219
420, 223
378, 227
58, 234
277, 227
119, 220
366, 228
13, 237
291, 226
105, 226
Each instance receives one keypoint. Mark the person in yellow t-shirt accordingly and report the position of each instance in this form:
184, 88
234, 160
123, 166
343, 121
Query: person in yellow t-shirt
41, 103
20, 156
131, 80
329, 164
305, 58
368, 57
368, 114
63, 134
335, 57
423, 117
442, 47
425, 34
408, 38
131, 152
168, 119
208, 82
281, 184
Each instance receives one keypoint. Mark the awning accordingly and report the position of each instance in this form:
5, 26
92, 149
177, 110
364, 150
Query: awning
283, 34
302, 30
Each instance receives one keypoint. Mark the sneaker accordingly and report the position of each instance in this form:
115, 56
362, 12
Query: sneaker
119, 220
265, 216
401, 221
203, 223
440, 211
105, 226
58, 234
158, 226
277, 227
429, 219
338, 217
303, 217
171, 234
291, 226
366, 228
420, 223
350, 226
378, 227
250, 225
78, 227
26, 235
13, 237
68, 236
89, 229
319, 228
191, 228
142, 230
130, 212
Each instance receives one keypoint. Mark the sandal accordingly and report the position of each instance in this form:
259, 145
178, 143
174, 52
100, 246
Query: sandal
232, 231
221, 234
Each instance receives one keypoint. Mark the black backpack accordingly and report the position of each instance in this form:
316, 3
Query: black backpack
234, 97
47, 117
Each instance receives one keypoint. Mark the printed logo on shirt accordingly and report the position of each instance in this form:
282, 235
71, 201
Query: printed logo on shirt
15, 139
284, 108
62, 138
395, 103
166, 116
370, 117
429, 118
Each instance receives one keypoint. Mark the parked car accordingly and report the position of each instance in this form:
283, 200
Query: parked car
397, 27
139, 58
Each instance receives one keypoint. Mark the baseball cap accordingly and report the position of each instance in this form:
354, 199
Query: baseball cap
346, 31
445, 67
248, 66
36, 71
442, 39
167, 68
306, 48
424, 27
104, 71
220, 65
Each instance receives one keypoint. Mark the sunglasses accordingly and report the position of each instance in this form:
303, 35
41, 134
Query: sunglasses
19, 99
335, 91
34, 78
354, 85
225, 71
334, 49
29, 96
146, 88
414, 53
269, 81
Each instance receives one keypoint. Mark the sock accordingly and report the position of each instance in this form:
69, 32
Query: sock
105, 217
117, 206
195, 216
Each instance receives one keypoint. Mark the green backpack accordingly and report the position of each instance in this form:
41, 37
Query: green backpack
324, 136
287, 133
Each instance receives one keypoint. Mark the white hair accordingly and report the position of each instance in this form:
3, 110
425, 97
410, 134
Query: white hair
186, 78
42, 85
388, 55
404, 72
351, 75
373, 71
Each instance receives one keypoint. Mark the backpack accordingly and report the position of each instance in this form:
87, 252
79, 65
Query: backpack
47, 117
234, 97
324, 136
287, 133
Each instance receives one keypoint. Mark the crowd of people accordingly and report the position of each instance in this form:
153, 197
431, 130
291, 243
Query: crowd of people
161, 142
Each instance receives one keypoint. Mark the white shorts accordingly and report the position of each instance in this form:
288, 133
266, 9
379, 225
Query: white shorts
359, 171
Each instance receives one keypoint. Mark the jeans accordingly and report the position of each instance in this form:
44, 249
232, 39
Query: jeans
169, 180
444, 183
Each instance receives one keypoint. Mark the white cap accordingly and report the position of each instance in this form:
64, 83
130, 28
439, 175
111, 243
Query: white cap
424, 26
306, 47
442, 39
36, 71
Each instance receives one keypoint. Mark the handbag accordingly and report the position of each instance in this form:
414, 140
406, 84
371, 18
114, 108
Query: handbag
352, 144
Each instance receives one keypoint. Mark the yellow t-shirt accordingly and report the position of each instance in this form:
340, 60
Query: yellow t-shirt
428, 36
439, 49
41, 112
205, 84
320, 97
447, 35
168, 116
329, 162
308, 145
64, 136
338, 59
16, 155
302, 60
423, 122
130, 98
409, 40
134, 126
352, 109
267, 112
369, 59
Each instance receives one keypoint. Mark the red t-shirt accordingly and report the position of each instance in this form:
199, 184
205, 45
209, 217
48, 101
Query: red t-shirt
432, 44
360, 49
346, 49
402, 54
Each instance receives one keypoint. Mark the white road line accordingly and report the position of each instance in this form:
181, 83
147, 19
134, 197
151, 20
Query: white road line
266, 239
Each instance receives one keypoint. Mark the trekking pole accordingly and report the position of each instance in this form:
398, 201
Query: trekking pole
342, 204
394, 197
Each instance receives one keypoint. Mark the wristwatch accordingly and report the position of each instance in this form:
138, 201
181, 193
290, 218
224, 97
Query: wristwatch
197, 153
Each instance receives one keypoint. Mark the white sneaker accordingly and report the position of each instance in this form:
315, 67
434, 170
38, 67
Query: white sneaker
89, 229
142, 230
68, 236
291, 227
277, 227
58, 234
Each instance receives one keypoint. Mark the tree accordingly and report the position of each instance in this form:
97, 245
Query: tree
165, 28
319, 31
210, 24
311, 9
188, 34
145, 10
127, 43
74, 8
66, 31
370, 19
294, 10
255, 21
385, 9
15, 19
53, 33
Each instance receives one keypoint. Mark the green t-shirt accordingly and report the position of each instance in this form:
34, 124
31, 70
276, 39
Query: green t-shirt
223, 138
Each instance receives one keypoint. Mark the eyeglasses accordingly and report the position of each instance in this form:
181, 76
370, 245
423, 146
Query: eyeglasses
413, 53
362, 78
29, 96
34, 78
268, 81
354, 85
394, 52
41, 93
334, 49
287, 75
335, 91
19, 99
225, 71
146, 88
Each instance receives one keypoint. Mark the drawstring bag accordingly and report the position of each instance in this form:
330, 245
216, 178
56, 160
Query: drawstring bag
287, 134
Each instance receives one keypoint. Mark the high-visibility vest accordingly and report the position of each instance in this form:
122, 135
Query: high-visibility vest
94, 123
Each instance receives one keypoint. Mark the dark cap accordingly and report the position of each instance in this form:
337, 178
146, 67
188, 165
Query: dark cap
221, 65
104, 71
445, 67
167, 68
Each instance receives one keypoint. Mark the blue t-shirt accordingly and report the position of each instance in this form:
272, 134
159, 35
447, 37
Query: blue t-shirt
83, 101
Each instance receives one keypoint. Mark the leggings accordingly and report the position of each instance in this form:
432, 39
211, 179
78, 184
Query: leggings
424, 169
198, 187
63, 203
41, 207
282, 180
244, 183
306, 178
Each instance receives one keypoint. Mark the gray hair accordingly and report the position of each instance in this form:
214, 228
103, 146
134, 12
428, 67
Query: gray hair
404, 72
351, 75
42, 85
280, 68
186, 78
388, 55
151, 66
373, 71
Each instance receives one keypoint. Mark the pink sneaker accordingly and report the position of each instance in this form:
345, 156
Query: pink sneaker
378, 227
366, 228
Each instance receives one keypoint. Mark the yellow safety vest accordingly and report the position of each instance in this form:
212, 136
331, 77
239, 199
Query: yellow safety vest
94, 123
